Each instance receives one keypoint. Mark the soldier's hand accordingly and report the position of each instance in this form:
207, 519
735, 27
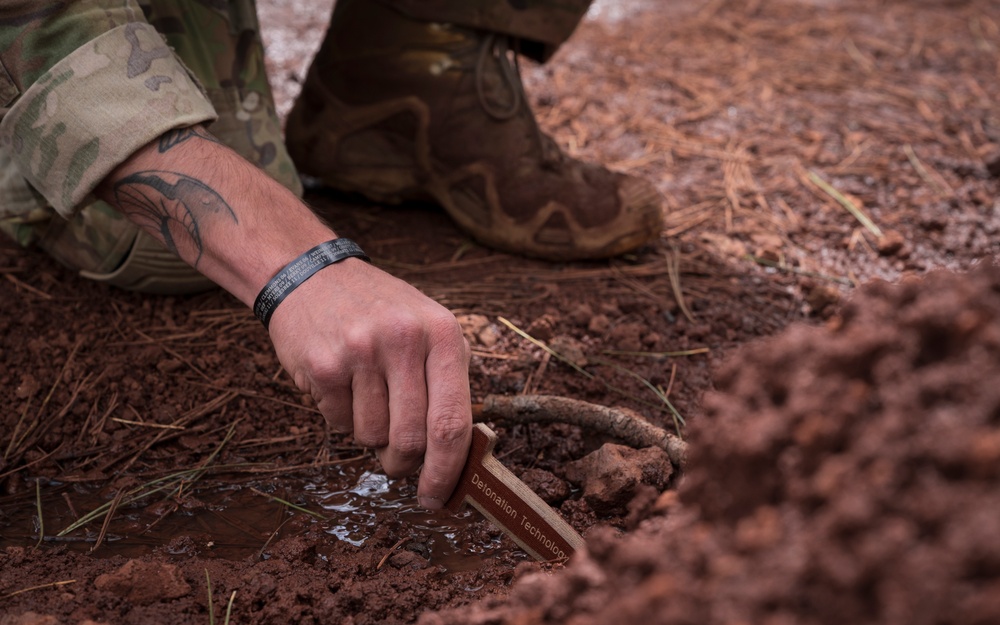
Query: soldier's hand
386, 362
380, 358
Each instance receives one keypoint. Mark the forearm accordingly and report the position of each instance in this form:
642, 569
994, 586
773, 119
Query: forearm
214, 209
379, 358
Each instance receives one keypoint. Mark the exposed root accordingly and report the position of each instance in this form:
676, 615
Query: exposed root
620, 423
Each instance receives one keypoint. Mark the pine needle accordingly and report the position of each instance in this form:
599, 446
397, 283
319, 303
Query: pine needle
678, 419
211, 604
107, 519
41, 520
546, 348
674, 272
290, 505
39, 587
229, 608
846, 203
937, 182
659, 355
173, 484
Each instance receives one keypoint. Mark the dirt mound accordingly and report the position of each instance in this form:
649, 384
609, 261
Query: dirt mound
843, 474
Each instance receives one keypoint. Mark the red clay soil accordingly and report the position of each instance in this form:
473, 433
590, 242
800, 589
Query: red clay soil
843, 474
843, 469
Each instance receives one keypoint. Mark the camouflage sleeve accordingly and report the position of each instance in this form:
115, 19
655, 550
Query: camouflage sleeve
83, 85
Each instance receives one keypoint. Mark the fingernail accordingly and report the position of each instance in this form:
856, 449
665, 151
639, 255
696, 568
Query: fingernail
431, 503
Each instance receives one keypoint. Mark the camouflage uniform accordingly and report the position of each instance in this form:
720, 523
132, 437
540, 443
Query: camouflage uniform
84, 84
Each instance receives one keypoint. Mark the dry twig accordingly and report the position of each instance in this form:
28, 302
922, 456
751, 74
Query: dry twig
620, 423
385, 558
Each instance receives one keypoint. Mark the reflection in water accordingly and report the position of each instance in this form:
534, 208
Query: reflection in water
356, 509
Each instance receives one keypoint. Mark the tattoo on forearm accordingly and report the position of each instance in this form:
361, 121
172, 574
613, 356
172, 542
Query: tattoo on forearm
174, 205
177, 136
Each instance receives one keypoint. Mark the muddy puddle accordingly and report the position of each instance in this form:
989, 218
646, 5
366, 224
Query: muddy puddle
227, 520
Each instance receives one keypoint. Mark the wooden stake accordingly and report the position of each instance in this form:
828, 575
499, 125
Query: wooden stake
508, 503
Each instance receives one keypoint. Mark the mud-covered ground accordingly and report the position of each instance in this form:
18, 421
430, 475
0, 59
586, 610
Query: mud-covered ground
840, 470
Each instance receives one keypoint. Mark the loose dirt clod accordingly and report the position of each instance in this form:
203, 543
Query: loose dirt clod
612, 476
144, 583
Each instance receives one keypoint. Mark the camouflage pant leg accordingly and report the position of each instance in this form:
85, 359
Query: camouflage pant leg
543, 25
222, 47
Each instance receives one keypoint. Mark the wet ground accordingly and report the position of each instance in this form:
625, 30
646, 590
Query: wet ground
234, 520
805, 148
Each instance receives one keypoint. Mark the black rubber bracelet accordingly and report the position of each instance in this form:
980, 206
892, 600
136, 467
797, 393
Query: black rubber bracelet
300, 270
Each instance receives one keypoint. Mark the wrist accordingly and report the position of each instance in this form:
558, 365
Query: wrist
301, 269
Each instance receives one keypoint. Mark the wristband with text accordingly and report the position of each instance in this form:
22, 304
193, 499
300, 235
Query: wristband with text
300, 270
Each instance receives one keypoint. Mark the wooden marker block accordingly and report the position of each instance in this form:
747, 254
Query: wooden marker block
505, 500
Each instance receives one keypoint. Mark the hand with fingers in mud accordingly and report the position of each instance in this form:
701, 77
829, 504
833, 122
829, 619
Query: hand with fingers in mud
385, 362
381, 359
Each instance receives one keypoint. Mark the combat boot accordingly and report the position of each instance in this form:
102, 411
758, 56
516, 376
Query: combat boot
401, 109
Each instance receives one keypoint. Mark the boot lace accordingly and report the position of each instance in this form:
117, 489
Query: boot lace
498, 47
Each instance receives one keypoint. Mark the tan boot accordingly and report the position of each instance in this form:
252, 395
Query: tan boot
400, 109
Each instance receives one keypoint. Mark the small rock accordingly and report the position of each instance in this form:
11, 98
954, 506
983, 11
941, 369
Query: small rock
542, 328
599, 324
890, 243
610, 308
627, 337
169, 365
419, 548
821, 297
769, 246
488, 336
144, 583
550, 488
472, 325
407, 560
28, 387
612, 475
581, 315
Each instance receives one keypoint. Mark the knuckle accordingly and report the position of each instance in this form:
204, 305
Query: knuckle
361, 342
325, 372
407, 329
444, 328
450, 429
370, 441
410, 446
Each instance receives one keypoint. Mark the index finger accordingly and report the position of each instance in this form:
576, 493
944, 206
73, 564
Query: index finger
449, 421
